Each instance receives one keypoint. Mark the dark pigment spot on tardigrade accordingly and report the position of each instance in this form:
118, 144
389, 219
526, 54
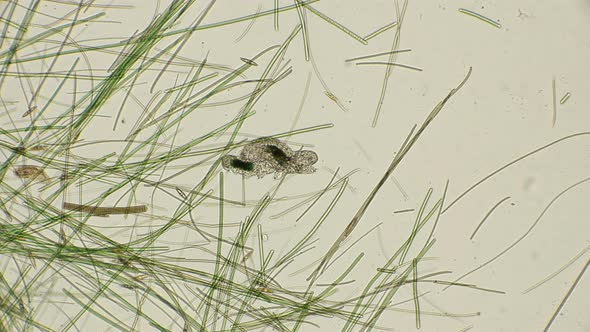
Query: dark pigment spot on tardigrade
243, 165
279, 155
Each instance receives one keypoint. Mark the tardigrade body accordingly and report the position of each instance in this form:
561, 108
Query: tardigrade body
267, 155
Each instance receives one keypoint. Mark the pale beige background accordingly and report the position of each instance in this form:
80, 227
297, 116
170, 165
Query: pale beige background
504, 111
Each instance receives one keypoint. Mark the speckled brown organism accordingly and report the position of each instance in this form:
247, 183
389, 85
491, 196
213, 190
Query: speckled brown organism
267, 155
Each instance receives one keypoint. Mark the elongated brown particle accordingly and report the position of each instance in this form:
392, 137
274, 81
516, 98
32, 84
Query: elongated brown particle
264, 289
30, 172
39, 147
248, 61
104, 211
29, 111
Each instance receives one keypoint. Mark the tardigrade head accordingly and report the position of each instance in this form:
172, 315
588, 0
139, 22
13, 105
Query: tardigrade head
304, 161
